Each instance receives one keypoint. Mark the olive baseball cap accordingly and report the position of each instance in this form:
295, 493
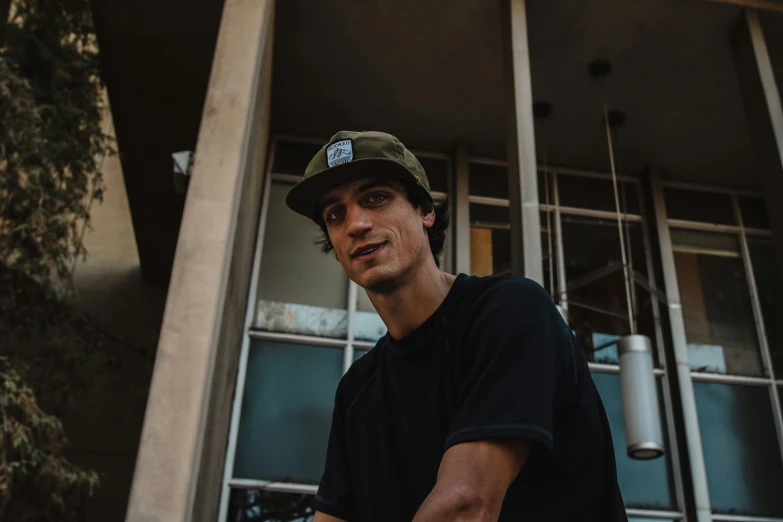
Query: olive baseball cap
353, 155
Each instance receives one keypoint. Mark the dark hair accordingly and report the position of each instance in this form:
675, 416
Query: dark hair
421, 201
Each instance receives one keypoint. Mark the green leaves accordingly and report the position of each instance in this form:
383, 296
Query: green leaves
51, 147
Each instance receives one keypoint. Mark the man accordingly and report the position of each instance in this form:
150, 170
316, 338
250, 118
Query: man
478, 404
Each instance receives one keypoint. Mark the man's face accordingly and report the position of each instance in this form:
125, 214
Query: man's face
377, 234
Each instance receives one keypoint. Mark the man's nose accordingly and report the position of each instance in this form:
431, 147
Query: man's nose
358, 219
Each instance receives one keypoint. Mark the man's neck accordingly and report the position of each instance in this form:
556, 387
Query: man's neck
414, 301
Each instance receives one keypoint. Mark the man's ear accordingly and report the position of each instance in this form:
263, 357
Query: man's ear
429, 219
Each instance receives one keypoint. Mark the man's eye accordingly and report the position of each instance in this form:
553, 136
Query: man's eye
375, 198
334, 214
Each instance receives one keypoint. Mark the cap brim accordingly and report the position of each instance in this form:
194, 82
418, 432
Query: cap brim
304, 196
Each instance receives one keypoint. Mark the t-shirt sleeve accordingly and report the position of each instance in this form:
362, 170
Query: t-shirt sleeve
335, 494
513, 358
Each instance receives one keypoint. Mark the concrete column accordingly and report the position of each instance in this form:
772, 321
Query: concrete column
526, 256
462, 212
763, 111
180, 462
688, 401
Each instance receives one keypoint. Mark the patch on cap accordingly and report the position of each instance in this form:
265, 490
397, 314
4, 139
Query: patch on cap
339, 152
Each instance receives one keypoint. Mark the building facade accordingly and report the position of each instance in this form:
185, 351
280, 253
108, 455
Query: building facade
684, 196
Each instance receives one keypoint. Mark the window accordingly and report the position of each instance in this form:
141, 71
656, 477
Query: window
286, 412
769, 284
300, 290
719, 324
744, 468
697, 205
254, 505
656, 490
595, 284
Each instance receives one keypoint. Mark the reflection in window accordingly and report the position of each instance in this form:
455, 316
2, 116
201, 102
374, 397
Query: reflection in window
696, 205
286, 412
741, 452
488, 180
490, 240
754, 212
769, 285
645, 484
253, 505
437, 171
294, 272
719, 324
598, 309
595, 193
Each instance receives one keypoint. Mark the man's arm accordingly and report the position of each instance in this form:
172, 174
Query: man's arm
323, 517
472, 481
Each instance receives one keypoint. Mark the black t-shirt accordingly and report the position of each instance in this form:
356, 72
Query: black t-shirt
496, 360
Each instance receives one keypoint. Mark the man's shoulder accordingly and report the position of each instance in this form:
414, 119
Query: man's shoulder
518, 291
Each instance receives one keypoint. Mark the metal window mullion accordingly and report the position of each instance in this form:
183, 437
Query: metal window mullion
353, 296
743, 518
448, 254
561, 271
679, 487
615, 368
650, 513
761, 332
729, 379
462, 211
682, 367
698, 187
270, 485
327, 342
702, 225
239, 388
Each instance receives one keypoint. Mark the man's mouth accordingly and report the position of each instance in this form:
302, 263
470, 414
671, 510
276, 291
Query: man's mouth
367, 252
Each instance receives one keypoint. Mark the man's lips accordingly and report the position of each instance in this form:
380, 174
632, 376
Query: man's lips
367, 252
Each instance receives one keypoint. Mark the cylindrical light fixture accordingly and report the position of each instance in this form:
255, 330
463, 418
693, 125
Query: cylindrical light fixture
640, 398
643, 432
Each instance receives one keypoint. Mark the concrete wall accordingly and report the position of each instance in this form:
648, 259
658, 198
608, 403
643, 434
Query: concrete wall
104, 425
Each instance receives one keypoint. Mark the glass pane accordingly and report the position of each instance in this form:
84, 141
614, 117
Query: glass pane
597, 194
645, 484
597, 301
293, 157
294, 272
741, 452
719, 324
769, 285
286, 412
637, 519
254, 505
488, 180
368, 324
437, 173
490, 240
754, 212
695, 205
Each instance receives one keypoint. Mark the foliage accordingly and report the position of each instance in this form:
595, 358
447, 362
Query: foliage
31, 443
51, 146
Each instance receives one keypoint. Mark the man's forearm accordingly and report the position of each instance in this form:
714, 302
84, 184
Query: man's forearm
455, 506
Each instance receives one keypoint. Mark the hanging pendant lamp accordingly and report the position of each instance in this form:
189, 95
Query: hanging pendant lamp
643, 431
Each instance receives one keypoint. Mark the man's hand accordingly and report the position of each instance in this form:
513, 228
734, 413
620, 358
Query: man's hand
323, 517
472, 481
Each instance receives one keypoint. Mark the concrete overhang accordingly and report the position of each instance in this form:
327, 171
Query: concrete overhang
432, 73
